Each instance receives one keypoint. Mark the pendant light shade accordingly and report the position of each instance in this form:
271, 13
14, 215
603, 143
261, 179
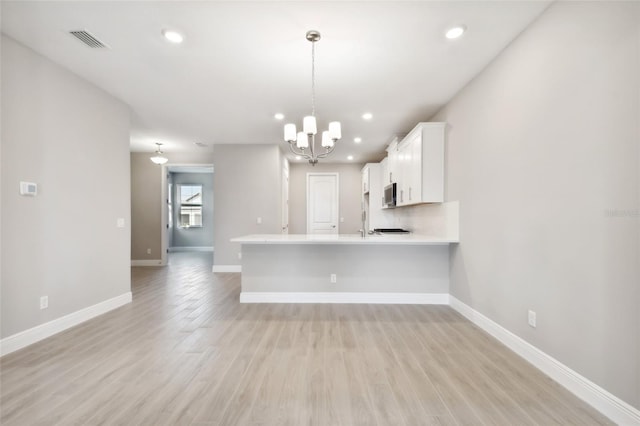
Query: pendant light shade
159, 158
309, 125
290, 132
302, 141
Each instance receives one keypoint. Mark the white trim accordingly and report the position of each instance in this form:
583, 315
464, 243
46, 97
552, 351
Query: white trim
344, 297
610, 405
164, 219
226, 268
190, 248
42, 331
146, 262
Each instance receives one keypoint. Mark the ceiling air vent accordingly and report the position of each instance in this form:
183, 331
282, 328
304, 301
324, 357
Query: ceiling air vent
88, 39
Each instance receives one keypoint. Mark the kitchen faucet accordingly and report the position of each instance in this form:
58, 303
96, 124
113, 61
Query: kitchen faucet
363, 231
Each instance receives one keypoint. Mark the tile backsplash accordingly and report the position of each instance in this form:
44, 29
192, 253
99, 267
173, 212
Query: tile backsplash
439, 220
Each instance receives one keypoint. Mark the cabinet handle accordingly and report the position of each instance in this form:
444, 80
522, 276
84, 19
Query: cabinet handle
383, 201
402, 195
409, 193
390, 177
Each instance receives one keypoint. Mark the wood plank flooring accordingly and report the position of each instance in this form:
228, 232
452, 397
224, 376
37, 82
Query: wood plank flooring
185, 352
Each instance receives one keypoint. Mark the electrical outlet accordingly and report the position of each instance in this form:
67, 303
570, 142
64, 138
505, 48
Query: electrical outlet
333, 278
148, 251
120, 222
44, 302
532, 318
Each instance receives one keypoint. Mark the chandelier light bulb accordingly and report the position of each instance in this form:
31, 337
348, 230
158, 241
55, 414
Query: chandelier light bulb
290, 132
335, 130
302, 141
309, 125
326, 139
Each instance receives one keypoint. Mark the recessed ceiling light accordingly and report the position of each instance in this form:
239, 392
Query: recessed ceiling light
455, 32
173, 36
357, 140
350, 157
298, 157
367, 116
278, 116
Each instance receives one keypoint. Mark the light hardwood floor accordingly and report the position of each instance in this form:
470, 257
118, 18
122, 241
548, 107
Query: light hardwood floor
186, 352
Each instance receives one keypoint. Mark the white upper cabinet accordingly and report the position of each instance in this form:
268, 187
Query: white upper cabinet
366, 178
420, 165
384, 179
391, 174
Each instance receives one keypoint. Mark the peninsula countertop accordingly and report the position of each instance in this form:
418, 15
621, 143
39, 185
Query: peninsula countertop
386, 239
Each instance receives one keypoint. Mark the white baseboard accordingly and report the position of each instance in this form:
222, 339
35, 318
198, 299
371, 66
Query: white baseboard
190, 248
340, 297
610, 405
226, 268
147, 262
42, 331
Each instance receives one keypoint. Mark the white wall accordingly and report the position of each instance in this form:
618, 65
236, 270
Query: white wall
72, 139
542, 147
350, 195
247, 185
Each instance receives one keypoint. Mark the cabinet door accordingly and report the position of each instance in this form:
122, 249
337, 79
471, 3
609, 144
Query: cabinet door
404, 174
384, 179
415, 167
365, 180
393, 167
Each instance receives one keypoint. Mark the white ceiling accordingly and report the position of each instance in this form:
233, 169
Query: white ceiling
241, 62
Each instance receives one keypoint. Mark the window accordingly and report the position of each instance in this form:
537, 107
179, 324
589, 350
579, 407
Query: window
190, 197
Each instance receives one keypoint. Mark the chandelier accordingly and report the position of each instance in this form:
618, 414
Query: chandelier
159, 158
303, 143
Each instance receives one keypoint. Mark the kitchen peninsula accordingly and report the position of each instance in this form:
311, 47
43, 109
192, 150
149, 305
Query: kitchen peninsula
345, 268
389, 268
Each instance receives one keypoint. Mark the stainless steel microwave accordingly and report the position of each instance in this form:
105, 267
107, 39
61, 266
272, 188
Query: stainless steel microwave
390, 195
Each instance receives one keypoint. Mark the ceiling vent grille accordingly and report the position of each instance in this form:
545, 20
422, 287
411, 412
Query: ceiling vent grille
88, 39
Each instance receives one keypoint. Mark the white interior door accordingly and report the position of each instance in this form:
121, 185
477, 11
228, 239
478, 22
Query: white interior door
285, 201
322, 203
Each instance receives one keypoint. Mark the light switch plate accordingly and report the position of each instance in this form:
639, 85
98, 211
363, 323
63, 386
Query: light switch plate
28, 188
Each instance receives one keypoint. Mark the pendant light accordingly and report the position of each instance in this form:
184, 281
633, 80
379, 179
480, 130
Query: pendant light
159, 158
302, 143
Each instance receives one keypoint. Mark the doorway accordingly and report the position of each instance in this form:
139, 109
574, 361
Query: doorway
187, 209
322, 203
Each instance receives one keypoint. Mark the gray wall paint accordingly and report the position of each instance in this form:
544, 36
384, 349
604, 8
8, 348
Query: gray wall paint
146, 186
359, 268
541, 145
247, 185
350, 195
194, 237
72, 139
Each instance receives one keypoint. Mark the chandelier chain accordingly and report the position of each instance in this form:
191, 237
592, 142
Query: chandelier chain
313, 78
